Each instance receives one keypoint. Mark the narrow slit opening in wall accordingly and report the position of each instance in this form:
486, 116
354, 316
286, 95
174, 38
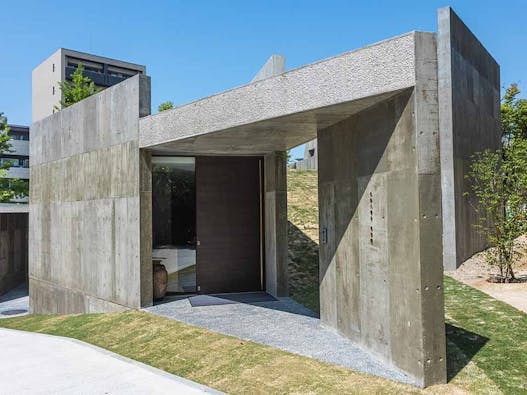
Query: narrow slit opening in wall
304, 231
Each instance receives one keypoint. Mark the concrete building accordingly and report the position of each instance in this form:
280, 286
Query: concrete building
19, 155
202, 188
59, 67
310, 158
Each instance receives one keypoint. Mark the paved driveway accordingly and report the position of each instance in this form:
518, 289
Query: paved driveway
32, 363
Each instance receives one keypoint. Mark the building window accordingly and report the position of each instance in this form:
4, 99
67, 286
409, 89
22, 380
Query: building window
53, 90
15, 162
18, 135
53, 67
11, 161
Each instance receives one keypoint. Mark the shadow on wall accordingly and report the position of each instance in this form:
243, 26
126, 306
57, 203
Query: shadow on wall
462, 345
303, 268
375, 132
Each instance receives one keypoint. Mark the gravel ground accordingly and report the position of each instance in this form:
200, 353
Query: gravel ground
282, 324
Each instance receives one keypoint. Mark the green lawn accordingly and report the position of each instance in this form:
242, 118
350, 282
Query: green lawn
492, 332
486, 339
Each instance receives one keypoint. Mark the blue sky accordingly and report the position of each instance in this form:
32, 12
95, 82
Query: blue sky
197, 48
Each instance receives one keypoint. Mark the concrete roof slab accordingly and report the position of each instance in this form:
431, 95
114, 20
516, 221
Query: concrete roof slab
375, 70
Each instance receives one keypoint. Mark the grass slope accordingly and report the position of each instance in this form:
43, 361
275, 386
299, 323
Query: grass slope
302, 213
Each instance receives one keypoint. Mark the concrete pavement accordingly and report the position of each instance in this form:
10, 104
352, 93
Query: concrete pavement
32, 363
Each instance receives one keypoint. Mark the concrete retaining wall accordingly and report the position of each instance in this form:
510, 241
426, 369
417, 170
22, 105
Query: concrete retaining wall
469, 105
86, 201
13, 250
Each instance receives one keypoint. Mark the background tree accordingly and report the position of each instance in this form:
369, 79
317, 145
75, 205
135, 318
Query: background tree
514, 114
78, 89
168, 105
10, 188
499, 182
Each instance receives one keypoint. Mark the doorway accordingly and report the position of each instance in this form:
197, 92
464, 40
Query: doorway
207, 218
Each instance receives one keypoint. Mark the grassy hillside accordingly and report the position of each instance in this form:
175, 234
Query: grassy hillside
302, 213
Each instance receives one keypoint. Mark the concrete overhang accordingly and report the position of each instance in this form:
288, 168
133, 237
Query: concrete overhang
14, 208
278, 113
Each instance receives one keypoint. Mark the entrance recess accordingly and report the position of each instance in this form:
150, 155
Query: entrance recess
228, 219
207, 223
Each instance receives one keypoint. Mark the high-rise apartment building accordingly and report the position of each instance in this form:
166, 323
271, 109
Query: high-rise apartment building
19, 155
60, 66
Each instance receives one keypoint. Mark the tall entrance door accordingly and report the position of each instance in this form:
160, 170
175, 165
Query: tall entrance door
229, 224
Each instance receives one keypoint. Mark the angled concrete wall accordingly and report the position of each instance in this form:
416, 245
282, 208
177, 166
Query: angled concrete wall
469, 107
380, 221
86, 201
13, 250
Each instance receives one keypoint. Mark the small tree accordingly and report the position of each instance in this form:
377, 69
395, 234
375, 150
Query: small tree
78, 89
499, 183
10, 188
168, 105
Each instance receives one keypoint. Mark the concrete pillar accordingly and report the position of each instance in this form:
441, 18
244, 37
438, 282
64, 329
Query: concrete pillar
275, 189
145, 223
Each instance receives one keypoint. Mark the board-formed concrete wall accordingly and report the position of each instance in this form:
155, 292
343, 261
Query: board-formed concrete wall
380, 221
275, 224
13, 250
469, 107
87, 252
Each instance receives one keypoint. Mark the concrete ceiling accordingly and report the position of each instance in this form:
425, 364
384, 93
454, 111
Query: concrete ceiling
278, 134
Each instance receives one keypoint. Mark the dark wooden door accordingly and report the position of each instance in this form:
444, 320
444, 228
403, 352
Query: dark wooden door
228, 222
